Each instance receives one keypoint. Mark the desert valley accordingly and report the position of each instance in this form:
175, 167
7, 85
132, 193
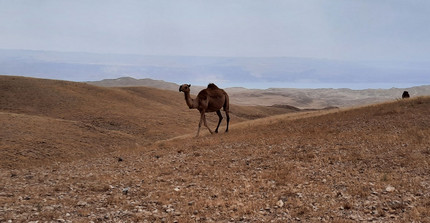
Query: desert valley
77, 152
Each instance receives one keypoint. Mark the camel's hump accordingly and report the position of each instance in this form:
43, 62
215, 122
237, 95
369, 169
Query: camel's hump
212, 86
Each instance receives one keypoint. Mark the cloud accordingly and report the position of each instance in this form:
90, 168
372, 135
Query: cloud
336, 29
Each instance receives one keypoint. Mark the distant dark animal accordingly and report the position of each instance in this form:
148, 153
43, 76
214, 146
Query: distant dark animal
405, 94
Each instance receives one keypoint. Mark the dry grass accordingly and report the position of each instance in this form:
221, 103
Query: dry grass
362, 164
45, 121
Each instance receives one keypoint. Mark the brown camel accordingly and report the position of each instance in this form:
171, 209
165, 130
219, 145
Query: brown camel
211, 99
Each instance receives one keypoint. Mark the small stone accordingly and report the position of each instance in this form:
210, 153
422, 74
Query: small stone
177, 189
125, 190
82, 203
280, 203
390, 188
169, 210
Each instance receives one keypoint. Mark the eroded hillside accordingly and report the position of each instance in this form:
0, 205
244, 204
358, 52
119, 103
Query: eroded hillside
45, 121
362, 164
318, 98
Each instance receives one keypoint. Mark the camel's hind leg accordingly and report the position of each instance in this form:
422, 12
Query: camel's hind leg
219, 120
228, 119
227, 110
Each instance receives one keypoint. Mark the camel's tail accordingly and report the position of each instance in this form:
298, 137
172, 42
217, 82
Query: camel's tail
226, 102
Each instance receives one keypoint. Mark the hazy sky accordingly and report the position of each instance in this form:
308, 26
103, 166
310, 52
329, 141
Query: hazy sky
333, 29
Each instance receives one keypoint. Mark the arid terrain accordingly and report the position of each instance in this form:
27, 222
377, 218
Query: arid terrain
73, 152
301, 98
70, 119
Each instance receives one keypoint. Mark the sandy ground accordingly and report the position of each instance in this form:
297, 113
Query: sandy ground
347, 165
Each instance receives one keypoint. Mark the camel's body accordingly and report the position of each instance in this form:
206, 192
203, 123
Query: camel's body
211, 99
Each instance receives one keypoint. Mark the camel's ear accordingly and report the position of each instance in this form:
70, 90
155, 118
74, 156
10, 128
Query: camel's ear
189, 85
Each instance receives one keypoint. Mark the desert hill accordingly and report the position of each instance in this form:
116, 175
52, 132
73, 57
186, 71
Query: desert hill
50, 120
358, 164
302, 98
132, 82
321, 98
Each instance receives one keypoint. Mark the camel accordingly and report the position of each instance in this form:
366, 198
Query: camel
211, 99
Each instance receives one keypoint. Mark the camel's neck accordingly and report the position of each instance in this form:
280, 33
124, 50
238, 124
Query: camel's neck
190, 102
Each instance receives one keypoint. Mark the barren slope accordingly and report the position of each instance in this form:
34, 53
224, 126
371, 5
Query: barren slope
45, 121
362, 164
321, 98
302, 98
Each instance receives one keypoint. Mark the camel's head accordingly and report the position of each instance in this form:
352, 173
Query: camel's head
185, 88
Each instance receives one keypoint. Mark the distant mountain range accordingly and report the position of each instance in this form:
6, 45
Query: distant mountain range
284, 77
132, 82
249, 72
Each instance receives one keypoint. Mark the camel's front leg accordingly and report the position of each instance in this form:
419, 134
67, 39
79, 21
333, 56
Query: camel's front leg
200, 125
203, 119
